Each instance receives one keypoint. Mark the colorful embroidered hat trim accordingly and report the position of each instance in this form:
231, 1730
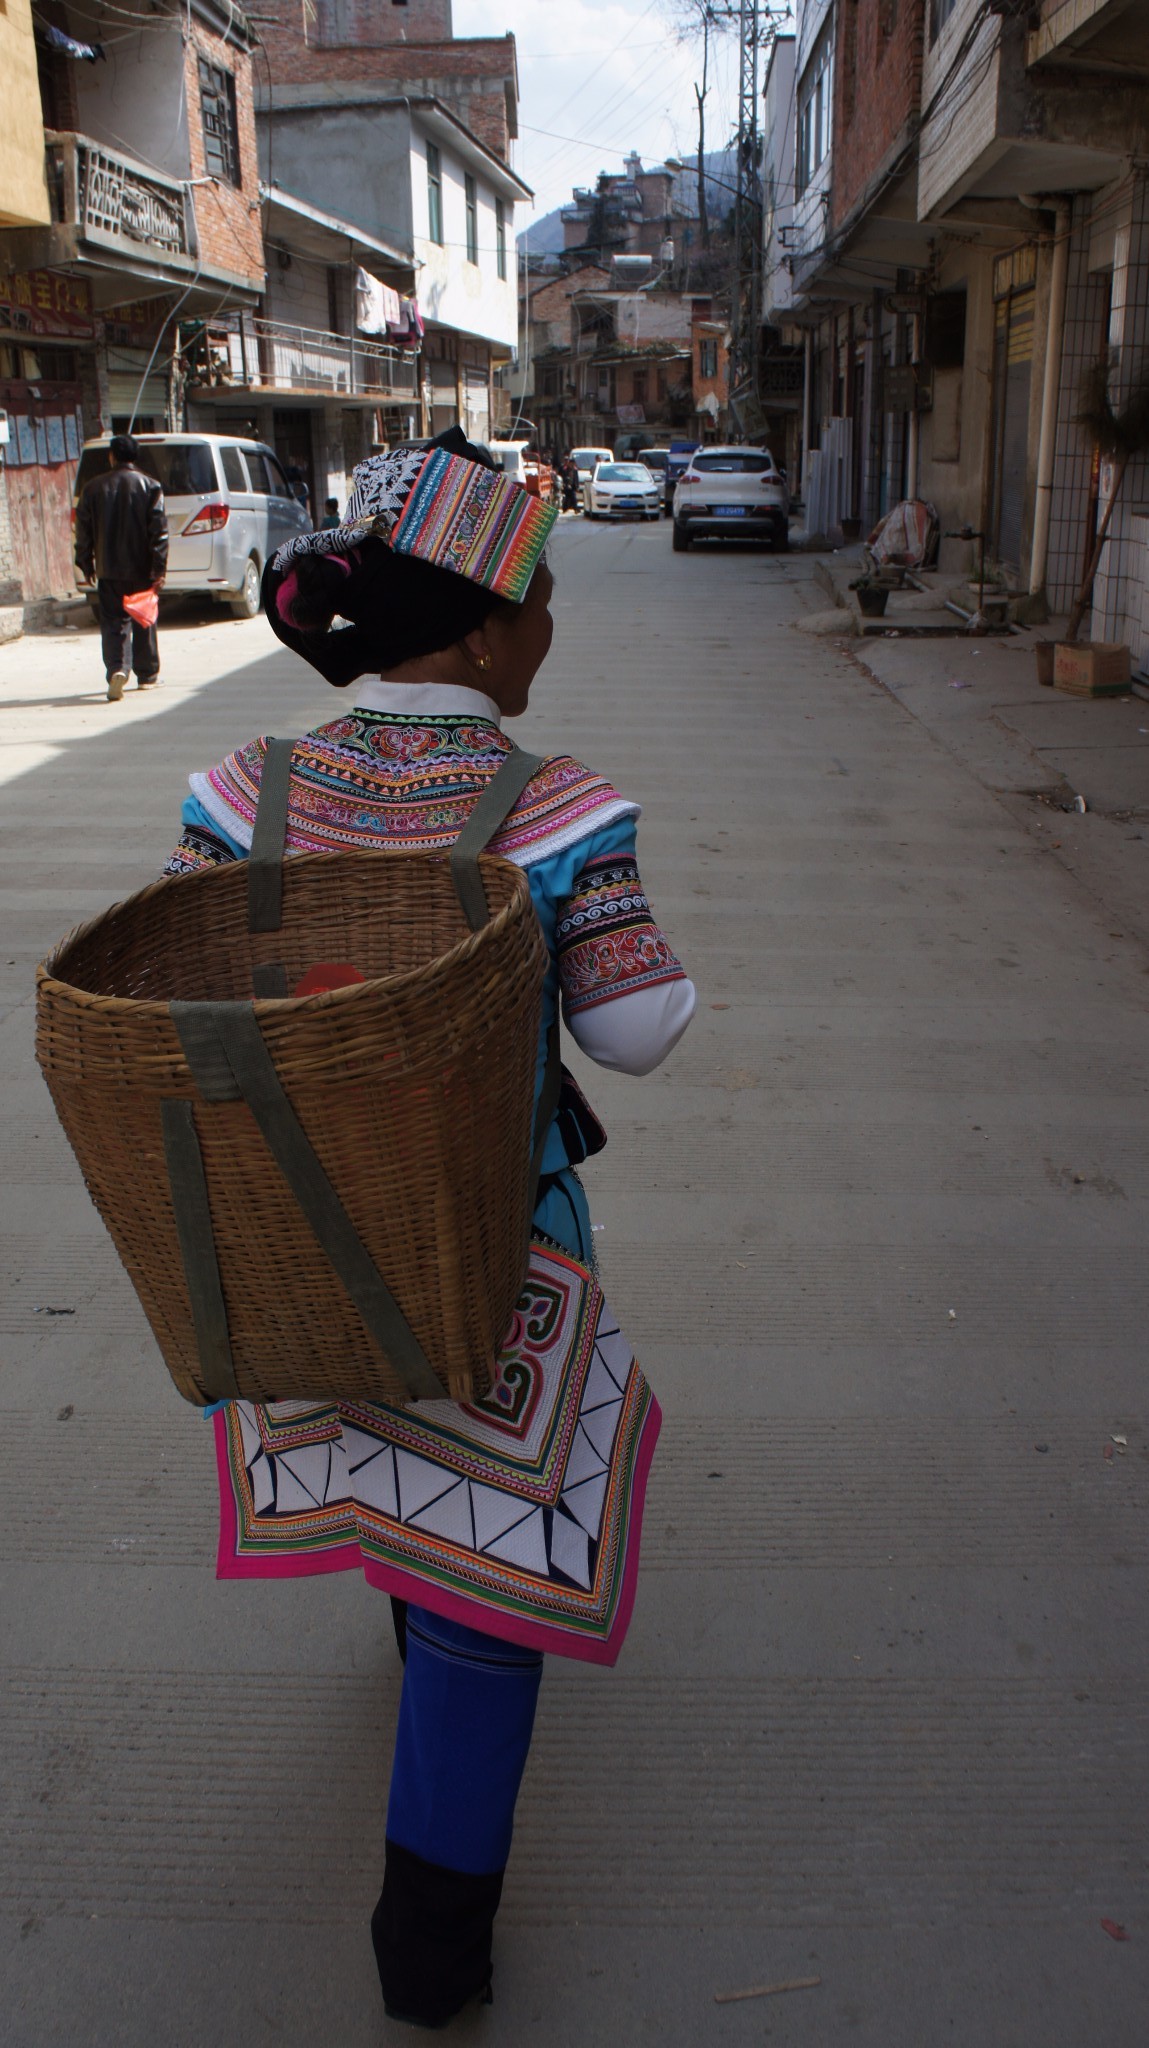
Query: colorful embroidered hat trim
444, 507
477, 522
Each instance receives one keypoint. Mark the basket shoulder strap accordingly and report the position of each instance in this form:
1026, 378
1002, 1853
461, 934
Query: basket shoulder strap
229, 1060
269, 835
492, 807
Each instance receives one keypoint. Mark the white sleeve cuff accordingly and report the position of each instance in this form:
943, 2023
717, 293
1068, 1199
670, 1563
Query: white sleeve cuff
633, 1034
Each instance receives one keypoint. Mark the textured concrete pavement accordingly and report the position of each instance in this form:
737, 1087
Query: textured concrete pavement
878, 1232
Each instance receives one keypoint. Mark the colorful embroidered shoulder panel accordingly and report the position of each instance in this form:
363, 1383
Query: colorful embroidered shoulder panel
520, 1514
608, 942
381, 780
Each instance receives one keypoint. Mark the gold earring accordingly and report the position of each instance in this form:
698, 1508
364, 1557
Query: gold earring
483, 661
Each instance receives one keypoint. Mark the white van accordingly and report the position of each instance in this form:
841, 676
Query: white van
229, 507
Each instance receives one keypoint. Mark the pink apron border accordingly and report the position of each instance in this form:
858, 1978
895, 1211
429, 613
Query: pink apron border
347, 1556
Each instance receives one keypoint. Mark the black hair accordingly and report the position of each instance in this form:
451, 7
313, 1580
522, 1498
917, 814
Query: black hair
124, 448
398, 608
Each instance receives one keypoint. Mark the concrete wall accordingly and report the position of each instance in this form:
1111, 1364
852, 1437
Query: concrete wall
955, 483
23, 190
353, 162
453, 292
135, 101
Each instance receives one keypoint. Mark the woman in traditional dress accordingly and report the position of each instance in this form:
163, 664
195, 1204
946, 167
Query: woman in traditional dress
509, 1526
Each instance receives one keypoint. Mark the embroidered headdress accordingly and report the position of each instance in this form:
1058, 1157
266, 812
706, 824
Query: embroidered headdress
438, 503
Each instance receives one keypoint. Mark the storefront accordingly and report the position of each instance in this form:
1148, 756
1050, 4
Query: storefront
47, 367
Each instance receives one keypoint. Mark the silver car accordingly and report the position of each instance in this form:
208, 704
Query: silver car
229, 507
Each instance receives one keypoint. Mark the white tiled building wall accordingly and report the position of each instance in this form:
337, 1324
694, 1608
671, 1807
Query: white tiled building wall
1073, 458
1119, 601
964, 121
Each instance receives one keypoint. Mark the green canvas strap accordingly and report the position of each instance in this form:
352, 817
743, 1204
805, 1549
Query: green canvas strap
230, 1062
492, 807
197, 1249
269, 833
265, 862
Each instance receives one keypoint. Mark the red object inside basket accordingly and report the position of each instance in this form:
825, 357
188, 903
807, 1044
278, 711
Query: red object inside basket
326, 975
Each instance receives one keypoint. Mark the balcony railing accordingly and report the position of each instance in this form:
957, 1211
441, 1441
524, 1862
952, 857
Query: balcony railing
254, 353
117, 203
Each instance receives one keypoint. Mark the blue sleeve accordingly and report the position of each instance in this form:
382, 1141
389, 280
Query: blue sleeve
193, 814
551, 882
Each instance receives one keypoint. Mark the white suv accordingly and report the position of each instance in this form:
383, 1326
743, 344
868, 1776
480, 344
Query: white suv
731, 493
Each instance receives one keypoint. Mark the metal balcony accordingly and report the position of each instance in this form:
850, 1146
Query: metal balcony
257, 354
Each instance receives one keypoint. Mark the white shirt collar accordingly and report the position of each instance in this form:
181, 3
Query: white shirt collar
425, 700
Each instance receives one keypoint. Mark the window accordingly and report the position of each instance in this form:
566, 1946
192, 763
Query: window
220, 131
434, 195
940, 11
500, 238
732, 462
708, 358
638, 387
945, 330
267, 478
471, 198
234, 474
814, 110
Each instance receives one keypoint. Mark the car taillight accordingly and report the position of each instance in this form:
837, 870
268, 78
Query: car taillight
209, 519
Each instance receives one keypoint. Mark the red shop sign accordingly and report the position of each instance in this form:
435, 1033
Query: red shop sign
43, 302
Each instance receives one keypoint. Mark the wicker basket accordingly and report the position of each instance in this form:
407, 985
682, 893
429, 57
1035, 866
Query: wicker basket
415, 1090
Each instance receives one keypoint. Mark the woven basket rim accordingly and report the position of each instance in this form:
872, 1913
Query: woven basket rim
453, 956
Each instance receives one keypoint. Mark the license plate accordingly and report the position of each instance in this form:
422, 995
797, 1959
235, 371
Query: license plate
630, 504
730, 511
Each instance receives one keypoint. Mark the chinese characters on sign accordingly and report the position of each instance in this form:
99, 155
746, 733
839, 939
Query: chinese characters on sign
43, 302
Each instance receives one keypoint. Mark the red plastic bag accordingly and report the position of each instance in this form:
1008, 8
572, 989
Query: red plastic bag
143, 606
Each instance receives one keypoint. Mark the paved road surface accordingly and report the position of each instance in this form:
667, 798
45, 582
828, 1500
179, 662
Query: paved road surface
878, 1231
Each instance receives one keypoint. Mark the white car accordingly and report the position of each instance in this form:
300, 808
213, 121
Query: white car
622, 490
586, 461
731, 493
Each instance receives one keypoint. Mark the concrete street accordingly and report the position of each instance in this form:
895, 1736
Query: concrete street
878, 1232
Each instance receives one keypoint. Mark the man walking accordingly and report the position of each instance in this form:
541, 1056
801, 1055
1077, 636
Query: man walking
122, 545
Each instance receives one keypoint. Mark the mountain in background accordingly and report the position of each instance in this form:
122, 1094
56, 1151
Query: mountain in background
545, 236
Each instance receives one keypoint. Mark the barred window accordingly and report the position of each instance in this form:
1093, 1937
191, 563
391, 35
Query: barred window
220, 127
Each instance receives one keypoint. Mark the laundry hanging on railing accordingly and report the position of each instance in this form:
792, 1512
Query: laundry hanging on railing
376, 304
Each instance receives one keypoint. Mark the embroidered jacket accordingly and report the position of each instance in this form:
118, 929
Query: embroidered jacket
400, 772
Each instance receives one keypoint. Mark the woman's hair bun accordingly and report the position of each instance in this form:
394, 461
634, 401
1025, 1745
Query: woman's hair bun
316, 589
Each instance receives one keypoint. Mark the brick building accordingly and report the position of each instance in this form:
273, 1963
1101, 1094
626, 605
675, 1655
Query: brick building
149, 169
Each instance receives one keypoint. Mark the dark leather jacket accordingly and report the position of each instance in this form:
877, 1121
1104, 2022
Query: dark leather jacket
122, 528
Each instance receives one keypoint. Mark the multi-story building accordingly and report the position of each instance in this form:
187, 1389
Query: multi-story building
327, 367
147, 208
971, 232
635, 212
389, 122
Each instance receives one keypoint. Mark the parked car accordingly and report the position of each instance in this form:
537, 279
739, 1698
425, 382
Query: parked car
622, 490
657, 461
229, 507
677, 463
586, 461
731, 493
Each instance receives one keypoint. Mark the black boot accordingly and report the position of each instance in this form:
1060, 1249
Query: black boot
432, 1934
